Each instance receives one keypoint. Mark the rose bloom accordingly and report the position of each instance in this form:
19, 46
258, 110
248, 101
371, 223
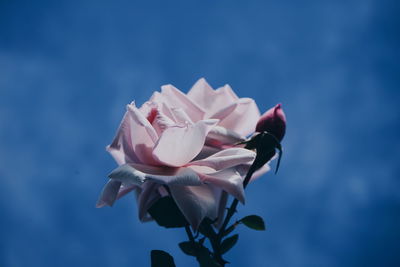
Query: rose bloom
182, 145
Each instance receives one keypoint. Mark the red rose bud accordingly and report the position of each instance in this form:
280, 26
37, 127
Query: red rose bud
273, 121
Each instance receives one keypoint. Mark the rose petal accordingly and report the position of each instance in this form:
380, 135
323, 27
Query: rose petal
147, 108
142, 122
135, 139
229, 93
243, 118
226, 111
229, 180
183, 176
221, 209
128, 175
201, 93
157, 98
147, 197
151, 109
206, 151
162, 122
137, 174
211, 100
181, 116
244, 168
221, 136
226, 158
179, 145
125, 189
109, 194
196, 202
261, 171
177, 99
121, 148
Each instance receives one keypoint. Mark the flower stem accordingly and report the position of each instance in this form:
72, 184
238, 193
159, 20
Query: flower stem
232, 208
216, 238
231, 211
189, 233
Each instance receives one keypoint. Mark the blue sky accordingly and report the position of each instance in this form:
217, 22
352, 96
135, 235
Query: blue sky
67, 70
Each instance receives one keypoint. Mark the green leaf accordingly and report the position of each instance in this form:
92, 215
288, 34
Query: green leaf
206, 227
201, 253
208, 262
189, 247
205, 259
254, 222
161, 258
228, 243
167, 214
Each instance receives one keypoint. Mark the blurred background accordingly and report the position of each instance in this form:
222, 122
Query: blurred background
67, 70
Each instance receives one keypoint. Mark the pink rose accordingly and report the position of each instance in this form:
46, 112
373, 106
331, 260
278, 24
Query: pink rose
182, 145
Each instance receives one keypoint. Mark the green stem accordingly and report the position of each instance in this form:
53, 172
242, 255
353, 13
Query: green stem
216, 238
189, 233
235, 202
230, 213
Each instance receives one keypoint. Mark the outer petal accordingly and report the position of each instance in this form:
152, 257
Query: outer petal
179, 145
224, 112
211, 101
109, 194
221, 136
243, 169
135, 139
264, 169
229, 180
196, 202
113, 191
243, 118
121, 148
128, 175
201, 93
227, 158
221, 208
177, 99
147, 197
137, 174
125, 189
150, 193
229, 92
206, 151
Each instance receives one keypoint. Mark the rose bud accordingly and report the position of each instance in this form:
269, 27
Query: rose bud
273, 121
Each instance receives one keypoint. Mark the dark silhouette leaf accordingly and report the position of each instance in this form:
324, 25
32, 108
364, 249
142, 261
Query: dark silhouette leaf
201, 253
206, 227
167, 214
205, 259
189, 247
161, 258
228, 243
254, 222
